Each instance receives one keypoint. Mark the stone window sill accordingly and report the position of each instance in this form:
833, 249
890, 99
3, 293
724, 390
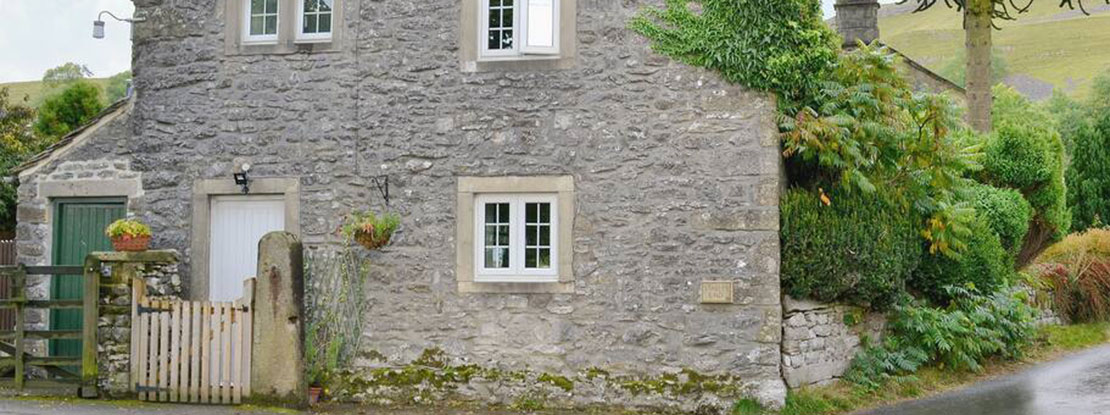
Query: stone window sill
516, 287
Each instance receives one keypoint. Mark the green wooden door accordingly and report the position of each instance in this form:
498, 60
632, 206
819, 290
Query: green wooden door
78, 230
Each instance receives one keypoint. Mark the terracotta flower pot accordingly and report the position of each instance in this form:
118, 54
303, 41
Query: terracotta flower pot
131, 244
314, 394
367, 240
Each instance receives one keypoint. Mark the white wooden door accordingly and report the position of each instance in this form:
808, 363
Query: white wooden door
237, 224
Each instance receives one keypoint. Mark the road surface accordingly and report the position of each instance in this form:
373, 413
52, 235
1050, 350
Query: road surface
1078, 384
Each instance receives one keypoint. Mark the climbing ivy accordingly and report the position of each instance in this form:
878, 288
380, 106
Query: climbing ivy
780, 46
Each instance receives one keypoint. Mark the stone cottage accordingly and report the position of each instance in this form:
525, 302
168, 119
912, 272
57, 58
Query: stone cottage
486, 120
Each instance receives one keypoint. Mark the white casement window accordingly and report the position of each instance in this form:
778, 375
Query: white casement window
514, 28
260, 23
516, 238
314, 20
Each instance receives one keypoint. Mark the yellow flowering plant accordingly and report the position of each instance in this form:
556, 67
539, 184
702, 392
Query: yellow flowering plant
127, 229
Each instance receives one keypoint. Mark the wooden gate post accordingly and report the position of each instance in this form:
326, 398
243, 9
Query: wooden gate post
91, 317
278, 366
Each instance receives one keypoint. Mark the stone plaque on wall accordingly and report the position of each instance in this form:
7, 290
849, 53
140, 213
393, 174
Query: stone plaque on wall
716, 292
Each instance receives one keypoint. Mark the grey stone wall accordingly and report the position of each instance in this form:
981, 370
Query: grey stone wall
676, 176
820, 340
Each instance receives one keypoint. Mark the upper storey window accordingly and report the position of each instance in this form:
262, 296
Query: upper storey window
512, 28
517, 34
261, 21
314, 19
283, 26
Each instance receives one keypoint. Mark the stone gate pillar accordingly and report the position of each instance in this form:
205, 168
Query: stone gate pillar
278, 366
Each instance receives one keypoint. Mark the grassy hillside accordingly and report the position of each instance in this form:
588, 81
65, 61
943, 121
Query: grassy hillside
36, 91
1058, 46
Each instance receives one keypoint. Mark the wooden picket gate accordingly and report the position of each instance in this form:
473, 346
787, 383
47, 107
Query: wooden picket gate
191, 351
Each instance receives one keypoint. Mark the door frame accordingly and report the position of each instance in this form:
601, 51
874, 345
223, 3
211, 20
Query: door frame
200, 233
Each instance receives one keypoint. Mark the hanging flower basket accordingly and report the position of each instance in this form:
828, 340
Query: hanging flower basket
369, 241
370, 230
129, 235
131, 244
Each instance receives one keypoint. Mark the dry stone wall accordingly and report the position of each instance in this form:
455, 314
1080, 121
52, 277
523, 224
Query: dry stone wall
820, 340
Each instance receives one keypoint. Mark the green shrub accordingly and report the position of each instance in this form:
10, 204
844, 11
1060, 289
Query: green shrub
1005, 211
972, 328
859, 249
1025, 152
985, 264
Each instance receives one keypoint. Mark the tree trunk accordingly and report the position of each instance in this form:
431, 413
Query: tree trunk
977, 26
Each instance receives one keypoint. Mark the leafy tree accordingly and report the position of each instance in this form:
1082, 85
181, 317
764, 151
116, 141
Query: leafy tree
68, 109
1085, 127
66, 73
979, 18
17, 141
1026, 153
1088, 175
117, 86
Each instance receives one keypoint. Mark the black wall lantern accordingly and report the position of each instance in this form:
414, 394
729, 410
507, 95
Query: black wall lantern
241, 178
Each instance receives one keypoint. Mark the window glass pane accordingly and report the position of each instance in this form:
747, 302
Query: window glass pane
494, 19
497, 257
495, 3
506, 39
530, 211
529, 258
325, 23
545, 213
271, 25
325, 5
271, 6
256, 6
503, 235
494, 41
507, 3
503, 213
544, 258
491, 235
530, 235
256, 25
309, 23
545, 236
507, 17
309, 6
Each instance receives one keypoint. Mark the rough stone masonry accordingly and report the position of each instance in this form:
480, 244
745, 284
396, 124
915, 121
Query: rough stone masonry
676, 175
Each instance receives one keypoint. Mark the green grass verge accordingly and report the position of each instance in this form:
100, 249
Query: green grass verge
841, 397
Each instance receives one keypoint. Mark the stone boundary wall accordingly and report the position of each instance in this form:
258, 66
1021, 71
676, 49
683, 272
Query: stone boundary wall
819, 340
159, 270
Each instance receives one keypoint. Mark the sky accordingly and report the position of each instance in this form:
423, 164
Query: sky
31, 44
40, 34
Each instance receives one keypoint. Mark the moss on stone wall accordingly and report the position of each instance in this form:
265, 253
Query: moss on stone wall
432, 379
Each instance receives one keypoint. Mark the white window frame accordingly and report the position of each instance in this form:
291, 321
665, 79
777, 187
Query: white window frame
248, 38
520, 32
313, 37
516, 271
